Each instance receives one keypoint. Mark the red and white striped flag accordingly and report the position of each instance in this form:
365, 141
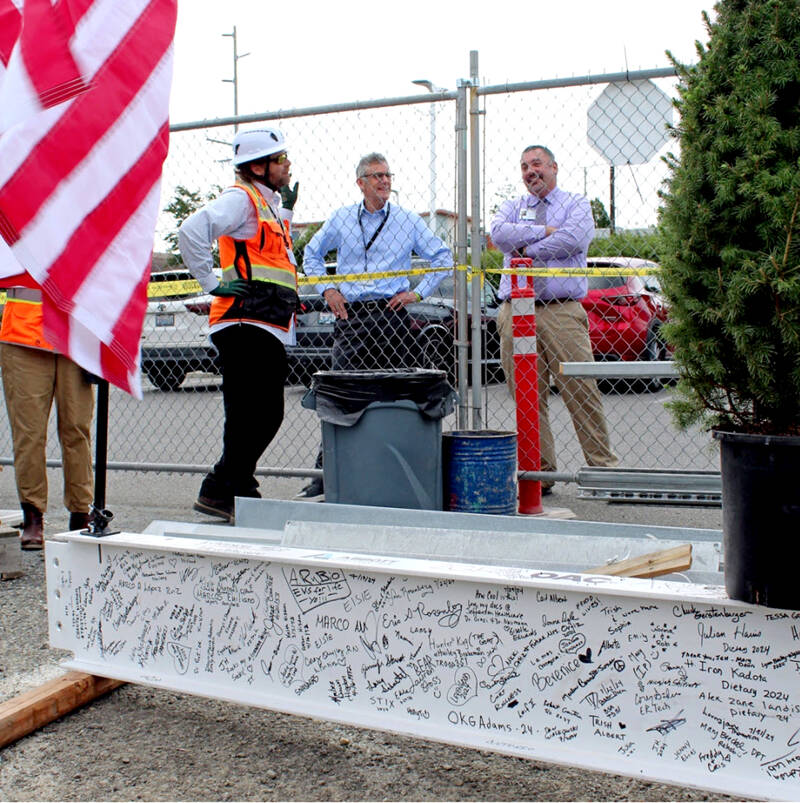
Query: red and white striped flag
10, 23
80, 167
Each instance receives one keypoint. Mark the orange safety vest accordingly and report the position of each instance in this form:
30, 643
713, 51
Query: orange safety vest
22, 319
264, 261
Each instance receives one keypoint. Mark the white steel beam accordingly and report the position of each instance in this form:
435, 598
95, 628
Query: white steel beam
665, 681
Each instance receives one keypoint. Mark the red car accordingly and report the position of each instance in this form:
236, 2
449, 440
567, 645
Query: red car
625, 312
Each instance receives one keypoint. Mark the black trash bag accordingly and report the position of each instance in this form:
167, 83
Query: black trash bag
340, 397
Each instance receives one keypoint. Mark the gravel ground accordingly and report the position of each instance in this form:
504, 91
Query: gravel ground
139, 743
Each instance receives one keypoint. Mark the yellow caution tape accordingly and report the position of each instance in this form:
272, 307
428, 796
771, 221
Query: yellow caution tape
576, 271
187, 287
178, 287
367, 277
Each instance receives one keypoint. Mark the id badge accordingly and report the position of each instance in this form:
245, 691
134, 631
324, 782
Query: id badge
528, 214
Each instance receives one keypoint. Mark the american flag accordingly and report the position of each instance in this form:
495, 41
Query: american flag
10, 23
84, 96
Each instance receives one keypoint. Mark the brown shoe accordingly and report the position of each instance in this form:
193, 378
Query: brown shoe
78, 521
32, 536
215, 507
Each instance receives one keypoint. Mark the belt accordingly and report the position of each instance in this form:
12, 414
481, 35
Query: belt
373, 303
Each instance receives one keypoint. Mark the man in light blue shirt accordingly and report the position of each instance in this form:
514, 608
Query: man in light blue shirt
374, 236
373, 329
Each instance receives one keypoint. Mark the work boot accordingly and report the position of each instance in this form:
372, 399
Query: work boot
221, 508
32, 535
314, 490
78, 521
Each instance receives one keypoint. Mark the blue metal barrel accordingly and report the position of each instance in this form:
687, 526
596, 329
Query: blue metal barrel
480, 471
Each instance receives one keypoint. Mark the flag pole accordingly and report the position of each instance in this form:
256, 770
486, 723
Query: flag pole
100, 517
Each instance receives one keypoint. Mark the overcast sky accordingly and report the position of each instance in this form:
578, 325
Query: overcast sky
315, 53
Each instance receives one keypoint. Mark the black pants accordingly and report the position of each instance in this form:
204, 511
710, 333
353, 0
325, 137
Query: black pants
374, 337
254, 369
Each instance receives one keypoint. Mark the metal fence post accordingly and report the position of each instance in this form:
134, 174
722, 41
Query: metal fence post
475, 243
462, 344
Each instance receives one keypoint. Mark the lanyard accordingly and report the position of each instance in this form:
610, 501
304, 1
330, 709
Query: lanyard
368, 245
288, 247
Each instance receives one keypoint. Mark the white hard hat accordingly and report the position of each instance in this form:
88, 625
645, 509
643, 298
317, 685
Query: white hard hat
256, 143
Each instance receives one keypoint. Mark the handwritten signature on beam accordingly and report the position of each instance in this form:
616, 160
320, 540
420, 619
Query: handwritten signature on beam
667, 725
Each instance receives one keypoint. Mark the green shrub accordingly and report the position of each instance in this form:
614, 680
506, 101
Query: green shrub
730, 224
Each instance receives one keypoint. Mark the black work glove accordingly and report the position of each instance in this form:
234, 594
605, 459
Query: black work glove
238, 288
289, 195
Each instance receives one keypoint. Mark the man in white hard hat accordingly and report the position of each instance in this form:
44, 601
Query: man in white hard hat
252, 315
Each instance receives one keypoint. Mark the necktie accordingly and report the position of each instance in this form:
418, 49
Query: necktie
540, 220
541, 213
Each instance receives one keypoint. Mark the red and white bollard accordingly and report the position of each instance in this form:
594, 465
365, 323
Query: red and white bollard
529, 457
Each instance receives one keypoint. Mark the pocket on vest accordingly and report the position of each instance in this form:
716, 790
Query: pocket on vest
268, 302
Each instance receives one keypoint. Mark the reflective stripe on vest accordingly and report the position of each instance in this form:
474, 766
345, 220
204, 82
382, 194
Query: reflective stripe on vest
22, 319
264, 274
262, 258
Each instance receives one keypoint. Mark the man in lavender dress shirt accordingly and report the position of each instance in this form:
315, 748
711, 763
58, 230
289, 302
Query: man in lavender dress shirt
554, 228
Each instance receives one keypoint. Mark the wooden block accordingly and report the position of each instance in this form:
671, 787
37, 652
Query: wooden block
10, 555
11, 517
665, 561
32, 710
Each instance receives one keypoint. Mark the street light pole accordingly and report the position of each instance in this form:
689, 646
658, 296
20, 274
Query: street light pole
235, 79
432, 205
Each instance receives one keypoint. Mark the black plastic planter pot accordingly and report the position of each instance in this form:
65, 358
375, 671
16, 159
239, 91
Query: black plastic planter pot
761, 518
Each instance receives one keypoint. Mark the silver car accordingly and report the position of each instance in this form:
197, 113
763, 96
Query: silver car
175, 332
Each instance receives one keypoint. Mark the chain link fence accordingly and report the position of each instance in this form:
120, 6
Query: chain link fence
433, 149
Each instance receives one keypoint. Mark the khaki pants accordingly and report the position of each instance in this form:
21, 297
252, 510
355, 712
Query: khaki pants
31, 380
562, 335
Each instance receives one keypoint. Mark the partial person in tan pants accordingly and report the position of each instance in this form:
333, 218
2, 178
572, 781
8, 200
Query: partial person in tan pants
562, 336
553, 228
34, 375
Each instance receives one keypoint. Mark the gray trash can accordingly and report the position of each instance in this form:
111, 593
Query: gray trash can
382, 435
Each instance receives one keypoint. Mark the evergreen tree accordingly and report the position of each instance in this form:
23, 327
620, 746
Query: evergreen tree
730, 223
601, 218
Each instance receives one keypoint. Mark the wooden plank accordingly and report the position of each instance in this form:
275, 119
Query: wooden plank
653, 564
11, 565
32, 710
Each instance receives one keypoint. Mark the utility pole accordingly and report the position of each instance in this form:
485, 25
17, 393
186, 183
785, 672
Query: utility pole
235, 79
432, 205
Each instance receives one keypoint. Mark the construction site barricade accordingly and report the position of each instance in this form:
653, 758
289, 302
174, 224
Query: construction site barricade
523, 302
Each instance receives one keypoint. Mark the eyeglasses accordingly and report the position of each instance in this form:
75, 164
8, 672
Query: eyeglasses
379, 176
280, 158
